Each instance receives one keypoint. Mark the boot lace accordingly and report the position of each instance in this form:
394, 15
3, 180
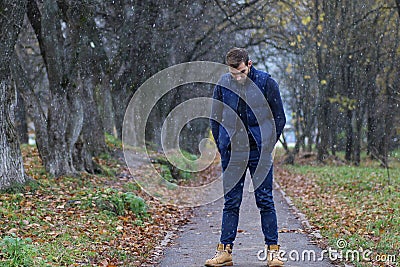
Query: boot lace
217, 253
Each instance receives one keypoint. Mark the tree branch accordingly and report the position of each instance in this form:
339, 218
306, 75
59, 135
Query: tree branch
398, 6
35, 19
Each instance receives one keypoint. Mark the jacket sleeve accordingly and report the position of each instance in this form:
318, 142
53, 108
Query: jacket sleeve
216, 113
276, 105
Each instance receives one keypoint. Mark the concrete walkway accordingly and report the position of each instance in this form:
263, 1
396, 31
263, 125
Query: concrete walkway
197, 240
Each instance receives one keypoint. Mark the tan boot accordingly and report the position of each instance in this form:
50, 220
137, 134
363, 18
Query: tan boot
222, 257
273, 259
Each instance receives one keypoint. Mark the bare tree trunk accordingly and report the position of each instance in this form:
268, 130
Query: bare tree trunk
33, 106
21, 123
71, 132
11, 164
93, 61
65, 114
372, 118
323, 105
104, 100
91, 141
357, 136
349, 135
120, 101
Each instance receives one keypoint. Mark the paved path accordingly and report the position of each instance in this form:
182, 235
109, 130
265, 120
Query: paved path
199, 238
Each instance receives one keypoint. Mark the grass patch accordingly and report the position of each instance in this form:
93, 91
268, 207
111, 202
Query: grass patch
357, 204
18, 252
177, 168
113, 142
86, 220
120, 203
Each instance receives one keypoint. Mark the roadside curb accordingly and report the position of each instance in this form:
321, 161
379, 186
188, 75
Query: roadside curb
159, 250
301, 216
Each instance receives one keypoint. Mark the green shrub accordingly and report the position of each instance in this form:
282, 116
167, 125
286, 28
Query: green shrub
175, 170
113, 141
119, 203
16, 251
166, 173
135, 204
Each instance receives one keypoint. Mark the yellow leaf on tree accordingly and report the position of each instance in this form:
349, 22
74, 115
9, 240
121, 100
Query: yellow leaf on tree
324, 82
305, 21
322, 17
289, 68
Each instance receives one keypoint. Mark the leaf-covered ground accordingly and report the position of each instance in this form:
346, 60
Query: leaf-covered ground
107, 220
84, 220
358, 206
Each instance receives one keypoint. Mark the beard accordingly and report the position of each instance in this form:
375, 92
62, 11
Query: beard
243, 81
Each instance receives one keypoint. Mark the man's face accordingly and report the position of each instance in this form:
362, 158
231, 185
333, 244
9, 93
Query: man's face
240, 73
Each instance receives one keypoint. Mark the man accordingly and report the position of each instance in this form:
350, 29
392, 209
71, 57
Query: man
245, 141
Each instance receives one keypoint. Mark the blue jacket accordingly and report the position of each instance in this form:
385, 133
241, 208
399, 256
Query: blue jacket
264, 110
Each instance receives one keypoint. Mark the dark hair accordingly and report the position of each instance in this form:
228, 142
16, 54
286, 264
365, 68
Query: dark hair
235, 56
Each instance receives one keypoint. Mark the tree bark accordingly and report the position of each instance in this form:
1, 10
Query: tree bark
33, 107
71, 132
93, 61
323, 104
372, 94
11, 164
105, 102
21, 123
358, 122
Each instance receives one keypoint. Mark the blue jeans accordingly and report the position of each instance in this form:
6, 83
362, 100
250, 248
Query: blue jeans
233, 199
